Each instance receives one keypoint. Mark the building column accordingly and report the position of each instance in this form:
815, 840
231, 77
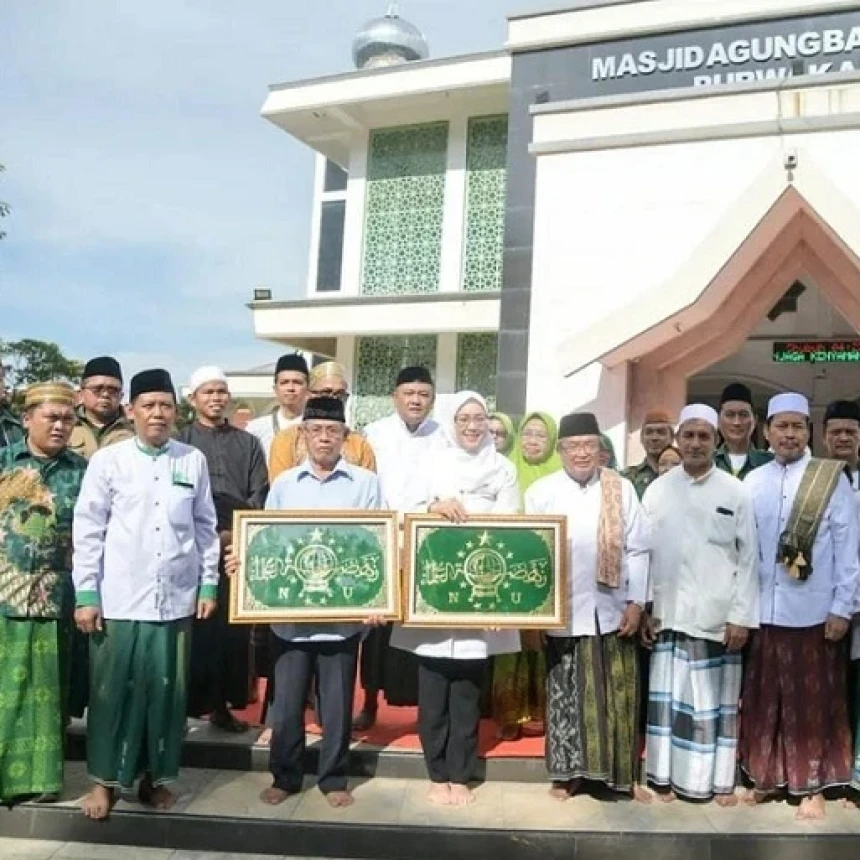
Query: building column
446, 363
353, 227
454, 217
347, 355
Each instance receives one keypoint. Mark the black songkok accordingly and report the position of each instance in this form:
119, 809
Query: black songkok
104, 365
736, 391
292, 361
842, 409
324, 409
416, 373
148, 381
578, 424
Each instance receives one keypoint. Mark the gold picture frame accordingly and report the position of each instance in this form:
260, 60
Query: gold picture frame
315, 566
499, 571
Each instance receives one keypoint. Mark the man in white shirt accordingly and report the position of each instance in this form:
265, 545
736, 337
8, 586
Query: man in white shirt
795, 734
145, 565
291, 390
593, 669
704, 582
401, 442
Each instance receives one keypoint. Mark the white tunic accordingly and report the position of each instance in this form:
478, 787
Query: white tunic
266, 427
704, 553
832, 587
401, 458
590, 604
145, 539
498, 495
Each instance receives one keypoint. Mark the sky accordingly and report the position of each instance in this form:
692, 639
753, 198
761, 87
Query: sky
148, 195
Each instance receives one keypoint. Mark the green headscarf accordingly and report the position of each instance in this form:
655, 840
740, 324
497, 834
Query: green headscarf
528, 473
606, 445
512, 432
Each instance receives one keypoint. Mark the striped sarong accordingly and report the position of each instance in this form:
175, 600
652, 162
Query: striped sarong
592, 702
692, 734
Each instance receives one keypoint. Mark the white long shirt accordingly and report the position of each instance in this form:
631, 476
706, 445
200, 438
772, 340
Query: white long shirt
401, 457
704, 553
266, 427
832, 587
500, 496
144, 532
560, 494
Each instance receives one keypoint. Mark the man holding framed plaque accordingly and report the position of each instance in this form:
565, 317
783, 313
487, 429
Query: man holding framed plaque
324, 481
593, 671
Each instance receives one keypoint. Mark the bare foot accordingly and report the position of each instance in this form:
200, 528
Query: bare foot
811, 808
339, 799
159, 797
754, 798
642, 795
667, 796
265, 738
273, 796
563, 789
461, 795
98, 803
726, 800
440, 792
508, 733
852, 802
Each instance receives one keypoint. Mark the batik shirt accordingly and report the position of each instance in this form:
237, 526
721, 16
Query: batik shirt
37, 500
641, 477
10, 428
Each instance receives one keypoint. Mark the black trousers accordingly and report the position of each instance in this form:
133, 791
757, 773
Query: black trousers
334, 664
449, 709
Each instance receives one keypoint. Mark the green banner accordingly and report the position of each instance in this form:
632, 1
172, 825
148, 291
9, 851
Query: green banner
499, 570
302, 566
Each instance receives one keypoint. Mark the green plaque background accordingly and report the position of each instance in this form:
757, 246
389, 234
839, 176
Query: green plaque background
485, 570
304, 566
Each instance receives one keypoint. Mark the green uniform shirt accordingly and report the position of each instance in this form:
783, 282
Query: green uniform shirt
640, 476
37, 499
755, 458
10, 428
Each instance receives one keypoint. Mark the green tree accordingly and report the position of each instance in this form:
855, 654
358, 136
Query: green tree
4, 207
30, 360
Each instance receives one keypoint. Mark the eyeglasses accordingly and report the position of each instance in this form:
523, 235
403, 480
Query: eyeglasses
104, 390
464, 421
321, 432
579, 447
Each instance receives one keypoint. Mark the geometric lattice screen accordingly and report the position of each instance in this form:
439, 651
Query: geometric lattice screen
378, 361
404, 209
476, 364
486, 183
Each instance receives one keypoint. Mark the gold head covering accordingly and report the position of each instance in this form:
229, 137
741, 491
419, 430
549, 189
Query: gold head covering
326, 370
49, 392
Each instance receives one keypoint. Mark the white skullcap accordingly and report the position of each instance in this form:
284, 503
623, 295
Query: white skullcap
203, 375
788, 402
699, 412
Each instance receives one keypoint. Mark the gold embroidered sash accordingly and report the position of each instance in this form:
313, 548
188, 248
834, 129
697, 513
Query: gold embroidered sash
813, 495
610, 530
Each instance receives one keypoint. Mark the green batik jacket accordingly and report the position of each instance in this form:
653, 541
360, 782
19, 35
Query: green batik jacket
640, 476
37, 499
10, 428
755, 458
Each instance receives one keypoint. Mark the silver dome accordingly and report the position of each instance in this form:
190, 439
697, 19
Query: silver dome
388, 41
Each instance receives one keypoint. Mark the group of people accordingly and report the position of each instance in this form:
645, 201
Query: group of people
711, 589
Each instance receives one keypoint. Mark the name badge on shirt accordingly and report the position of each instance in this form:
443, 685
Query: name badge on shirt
180, 481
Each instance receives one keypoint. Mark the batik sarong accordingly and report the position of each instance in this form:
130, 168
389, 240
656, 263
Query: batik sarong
794, 723
592, 701
32, 706
519, 688
692, 734
138, 696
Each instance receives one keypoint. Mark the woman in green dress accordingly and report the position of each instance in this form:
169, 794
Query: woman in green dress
519, 680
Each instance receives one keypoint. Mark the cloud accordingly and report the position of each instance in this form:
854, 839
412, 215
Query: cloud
148, 196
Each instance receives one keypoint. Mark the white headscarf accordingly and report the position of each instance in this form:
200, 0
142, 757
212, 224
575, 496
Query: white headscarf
458, 471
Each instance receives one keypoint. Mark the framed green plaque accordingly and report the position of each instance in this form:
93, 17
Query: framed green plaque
491, 571
315, 566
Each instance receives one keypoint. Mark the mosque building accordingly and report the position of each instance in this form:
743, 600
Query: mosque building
629, 204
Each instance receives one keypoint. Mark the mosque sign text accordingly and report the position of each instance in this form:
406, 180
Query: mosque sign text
315, 566
817, 352
739, 53
492, 571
